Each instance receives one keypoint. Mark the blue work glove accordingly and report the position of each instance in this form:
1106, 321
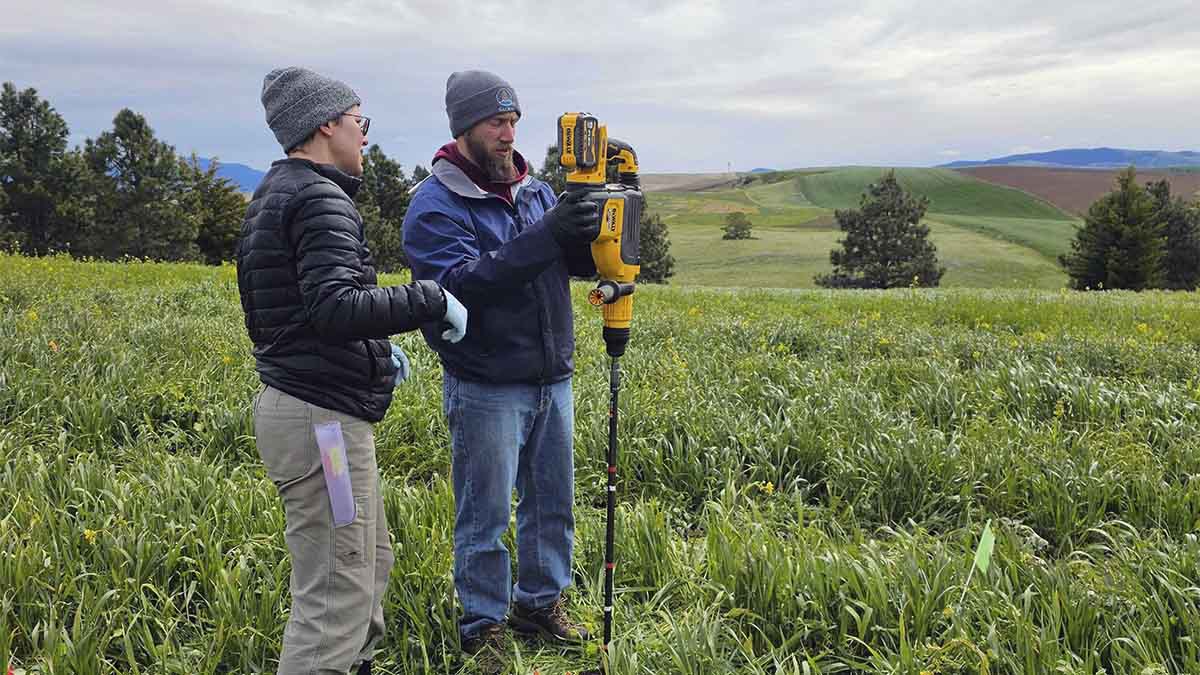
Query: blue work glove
455, 321
403, 367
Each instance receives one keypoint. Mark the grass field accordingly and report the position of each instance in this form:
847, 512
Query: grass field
988, 236
787, 257
805, 476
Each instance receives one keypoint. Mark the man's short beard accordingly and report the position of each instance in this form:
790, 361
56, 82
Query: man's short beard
498, 168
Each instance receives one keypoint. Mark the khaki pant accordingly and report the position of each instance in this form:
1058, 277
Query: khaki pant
339, 575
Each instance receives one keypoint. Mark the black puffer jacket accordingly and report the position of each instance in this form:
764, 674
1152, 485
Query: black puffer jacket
317, 319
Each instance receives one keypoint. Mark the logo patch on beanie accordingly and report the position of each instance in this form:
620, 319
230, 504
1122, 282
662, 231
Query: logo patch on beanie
504, 98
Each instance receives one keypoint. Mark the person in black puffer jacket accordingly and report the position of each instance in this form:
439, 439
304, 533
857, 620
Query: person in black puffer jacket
320, 327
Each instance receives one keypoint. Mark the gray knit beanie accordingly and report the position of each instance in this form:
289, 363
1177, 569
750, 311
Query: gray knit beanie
475, 95
297, 101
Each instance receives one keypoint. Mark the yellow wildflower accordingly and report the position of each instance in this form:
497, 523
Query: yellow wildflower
54, 346
90, 535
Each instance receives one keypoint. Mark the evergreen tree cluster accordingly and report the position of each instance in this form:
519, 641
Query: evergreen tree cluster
128, 194
382, 202
1136, 238
125, 193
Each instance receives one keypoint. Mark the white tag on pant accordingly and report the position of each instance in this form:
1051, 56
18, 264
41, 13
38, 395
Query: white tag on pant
337, 472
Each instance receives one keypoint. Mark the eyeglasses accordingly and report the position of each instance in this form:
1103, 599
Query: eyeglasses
363, 122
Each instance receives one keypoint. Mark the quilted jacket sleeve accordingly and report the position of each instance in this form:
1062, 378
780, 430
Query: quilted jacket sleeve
326, 233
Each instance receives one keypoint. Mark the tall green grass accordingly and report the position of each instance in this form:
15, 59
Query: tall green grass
804, 476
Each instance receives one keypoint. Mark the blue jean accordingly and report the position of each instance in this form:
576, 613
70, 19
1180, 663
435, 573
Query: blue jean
506, 436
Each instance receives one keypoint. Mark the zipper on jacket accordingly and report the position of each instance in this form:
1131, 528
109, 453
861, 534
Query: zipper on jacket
520, 220
547, 349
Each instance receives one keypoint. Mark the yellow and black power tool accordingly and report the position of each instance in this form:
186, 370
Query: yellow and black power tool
586, 152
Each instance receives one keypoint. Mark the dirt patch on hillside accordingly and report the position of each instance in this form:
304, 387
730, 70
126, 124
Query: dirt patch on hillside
1074, 190
686, 182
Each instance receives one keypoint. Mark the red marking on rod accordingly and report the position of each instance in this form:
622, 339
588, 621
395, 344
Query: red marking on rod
612, 470
611, 566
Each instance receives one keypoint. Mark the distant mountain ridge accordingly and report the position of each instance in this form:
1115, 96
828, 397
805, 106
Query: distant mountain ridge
1091, 158
244, 177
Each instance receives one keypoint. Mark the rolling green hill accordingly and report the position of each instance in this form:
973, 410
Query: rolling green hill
987, 235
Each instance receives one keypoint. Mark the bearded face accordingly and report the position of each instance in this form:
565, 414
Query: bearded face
490, 146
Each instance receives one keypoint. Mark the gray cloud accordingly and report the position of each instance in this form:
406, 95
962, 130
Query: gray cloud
694, 85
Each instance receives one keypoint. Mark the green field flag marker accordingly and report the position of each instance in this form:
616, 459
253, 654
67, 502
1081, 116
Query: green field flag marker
983, 557
983, 554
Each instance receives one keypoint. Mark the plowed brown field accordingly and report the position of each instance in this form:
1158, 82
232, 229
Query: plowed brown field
1074, 190
686, 182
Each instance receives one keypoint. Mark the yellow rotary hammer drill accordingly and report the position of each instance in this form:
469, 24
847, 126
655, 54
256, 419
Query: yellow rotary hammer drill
586, 151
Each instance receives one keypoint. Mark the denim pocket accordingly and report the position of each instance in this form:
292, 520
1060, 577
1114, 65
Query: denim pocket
350, 541
449, 393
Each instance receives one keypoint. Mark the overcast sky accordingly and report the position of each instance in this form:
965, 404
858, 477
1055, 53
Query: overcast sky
693, 86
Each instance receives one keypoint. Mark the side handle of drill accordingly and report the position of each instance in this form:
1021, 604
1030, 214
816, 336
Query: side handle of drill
622, 155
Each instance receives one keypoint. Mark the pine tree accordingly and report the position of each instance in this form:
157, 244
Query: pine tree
141, 207
1180, 226
9, 241
219, 208
737, 226
39, 177
1121, 244
655, 247
886, 246
382, 202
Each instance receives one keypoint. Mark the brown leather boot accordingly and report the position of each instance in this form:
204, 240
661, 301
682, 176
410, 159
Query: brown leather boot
550, 623
491, 648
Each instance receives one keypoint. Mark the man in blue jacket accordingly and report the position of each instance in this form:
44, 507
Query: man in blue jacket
498, 239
